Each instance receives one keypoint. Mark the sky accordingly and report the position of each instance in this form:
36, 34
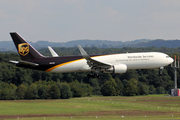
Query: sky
67, 20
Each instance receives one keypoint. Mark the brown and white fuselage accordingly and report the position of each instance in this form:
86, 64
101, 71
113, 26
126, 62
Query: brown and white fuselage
110, 63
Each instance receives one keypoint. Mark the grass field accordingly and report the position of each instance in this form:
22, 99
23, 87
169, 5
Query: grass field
157, 107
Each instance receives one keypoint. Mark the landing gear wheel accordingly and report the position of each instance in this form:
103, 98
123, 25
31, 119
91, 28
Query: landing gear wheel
93, 76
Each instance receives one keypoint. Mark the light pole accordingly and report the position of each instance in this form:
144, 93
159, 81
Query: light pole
176, 66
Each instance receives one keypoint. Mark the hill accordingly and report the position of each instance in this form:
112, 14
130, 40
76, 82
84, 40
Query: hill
9, 46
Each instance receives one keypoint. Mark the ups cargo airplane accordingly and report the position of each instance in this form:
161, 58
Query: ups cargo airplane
110, 63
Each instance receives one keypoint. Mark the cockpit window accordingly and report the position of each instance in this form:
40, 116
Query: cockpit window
167, 57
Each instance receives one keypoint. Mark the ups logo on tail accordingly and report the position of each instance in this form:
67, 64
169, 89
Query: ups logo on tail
23, 49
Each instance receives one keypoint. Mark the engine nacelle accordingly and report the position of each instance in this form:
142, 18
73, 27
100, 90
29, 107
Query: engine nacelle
120, 68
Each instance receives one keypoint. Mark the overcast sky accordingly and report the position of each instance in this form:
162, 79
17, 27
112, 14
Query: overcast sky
66, 20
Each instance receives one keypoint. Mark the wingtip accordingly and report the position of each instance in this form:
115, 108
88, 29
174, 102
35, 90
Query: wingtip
12, 32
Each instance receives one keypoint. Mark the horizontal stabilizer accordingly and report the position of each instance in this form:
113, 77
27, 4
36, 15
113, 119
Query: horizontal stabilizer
28, 63
15, 62
24, 63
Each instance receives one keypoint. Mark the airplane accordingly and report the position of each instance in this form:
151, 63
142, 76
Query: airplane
109, 63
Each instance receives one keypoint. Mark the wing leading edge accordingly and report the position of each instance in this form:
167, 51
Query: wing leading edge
94, 64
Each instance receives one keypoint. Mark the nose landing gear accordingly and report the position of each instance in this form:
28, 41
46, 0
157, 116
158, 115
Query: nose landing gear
160, 70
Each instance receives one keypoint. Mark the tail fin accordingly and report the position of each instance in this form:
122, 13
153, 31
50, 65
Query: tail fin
25, 50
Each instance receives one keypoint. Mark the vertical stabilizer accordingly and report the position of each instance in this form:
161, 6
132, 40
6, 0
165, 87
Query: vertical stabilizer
25, 50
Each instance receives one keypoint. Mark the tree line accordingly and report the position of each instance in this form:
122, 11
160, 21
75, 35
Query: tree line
22, 83
44, 90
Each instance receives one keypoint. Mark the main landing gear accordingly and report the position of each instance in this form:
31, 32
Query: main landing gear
93, 75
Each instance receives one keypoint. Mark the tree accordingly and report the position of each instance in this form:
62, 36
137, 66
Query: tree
80, 89
65, 91
48, 92
12, 77
86, 90
160, 90
41, 91
109, 88
119, 87
35, 90
0, 94
95, 85
153, 77
55, 92
5, 94
142, 89
104, 78
143, 79
36, 75
68, 77
13, 91
76, 89
131, 88
20, 91
130, 74
152, 89
30, 93
5, 91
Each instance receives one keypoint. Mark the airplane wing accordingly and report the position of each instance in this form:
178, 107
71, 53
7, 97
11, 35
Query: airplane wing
93, 63
53, 53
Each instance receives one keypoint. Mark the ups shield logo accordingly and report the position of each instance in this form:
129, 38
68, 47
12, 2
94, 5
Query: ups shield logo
23, 49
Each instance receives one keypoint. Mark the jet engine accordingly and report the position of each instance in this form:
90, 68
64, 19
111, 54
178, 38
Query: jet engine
120, 68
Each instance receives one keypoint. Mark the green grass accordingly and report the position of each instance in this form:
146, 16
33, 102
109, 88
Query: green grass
138, 107
100, 118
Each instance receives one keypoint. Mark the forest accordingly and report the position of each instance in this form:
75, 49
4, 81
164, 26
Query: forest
22, 83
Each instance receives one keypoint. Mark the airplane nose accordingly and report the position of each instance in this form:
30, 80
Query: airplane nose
171, 60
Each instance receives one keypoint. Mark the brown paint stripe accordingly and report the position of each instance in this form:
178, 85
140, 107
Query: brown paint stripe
50, 69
